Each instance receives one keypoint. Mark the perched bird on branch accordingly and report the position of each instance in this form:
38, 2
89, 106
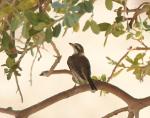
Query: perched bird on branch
80, 67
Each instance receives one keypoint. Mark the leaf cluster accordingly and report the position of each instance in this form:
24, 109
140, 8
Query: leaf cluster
41, 22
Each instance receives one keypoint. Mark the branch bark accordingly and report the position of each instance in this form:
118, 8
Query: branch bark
116, 112
133, 103
131, 115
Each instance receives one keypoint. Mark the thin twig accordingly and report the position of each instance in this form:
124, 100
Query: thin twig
63, 71
144, 3
142, 43
25, 51
138, 11
113, 71
58, 58
18, 87
116, 112
141, 48
31, 69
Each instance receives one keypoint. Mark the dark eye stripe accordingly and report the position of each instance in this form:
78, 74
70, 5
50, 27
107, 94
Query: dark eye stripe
79, 48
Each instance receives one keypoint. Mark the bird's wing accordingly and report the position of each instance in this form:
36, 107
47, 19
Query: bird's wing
79, 65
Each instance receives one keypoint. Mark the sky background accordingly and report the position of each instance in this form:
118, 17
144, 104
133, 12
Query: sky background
84, 105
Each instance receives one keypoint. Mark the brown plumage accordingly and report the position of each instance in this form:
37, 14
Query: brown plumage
80, 67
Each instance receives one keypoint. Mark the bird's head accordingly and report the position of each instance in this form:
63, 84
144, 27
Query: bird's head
78, 49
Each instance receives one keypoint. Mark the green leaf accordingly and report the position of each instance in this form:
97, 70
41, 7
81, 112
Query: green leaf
6, 10
6, 70
25, 30
146, 25
76, 27
103, 78
88, 6
132, 67
94, 27
74, 1
138, 73
40, 26
44, 17
32, 32
57, 30
58, 5
119, 19
138, 34
117, 29
26, 4
48, 35
87, 25
15, 23
9, 75
108, 4
32, 17
5, 40
75, 9
138, 57
10, 62
70, 19
111, 61
104, 26
130, 35
117, 72
128, 59
9, 45
94, 78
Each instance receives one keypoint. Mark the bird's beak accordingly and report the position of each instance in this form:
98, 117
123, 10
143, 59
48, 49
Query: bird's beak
71, 44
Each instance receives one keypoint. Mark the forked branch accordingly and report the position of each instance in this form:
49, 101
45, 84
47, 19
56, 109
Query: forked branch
116, 112
133, 103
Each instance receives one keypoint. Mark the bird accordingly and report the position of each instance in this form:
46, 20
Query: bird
79, 66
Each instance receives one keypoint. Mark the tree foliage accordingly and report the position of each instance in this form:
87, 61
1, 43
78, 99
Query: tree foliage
40, 21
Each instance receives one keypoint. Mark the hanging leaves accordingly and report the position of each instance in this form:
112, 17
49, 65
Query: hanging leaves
48, 35
108, 4
57, 30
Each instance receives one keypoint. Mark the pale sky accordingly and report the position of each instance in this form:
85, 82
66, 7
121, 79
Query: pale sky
84, 105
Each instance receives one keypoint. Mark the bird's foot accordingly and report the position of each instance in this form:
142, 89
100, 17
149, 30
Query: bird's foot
74, 86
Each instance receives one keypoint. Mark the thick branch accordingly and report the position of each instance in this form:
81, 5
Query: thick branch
131, 115
76, 90
133, 103
9, 111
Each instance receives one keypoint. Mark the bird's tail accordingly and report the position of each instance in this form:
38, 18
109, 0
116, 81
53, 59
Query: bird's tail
92, 85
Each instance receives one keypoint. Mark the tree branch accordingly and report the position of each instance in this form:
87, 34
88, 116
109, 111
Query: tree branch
76, 90
18, 88
9, 111
131, 115
113, 71
136, 114
116, 112
58, 58
133, 103
63, 71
